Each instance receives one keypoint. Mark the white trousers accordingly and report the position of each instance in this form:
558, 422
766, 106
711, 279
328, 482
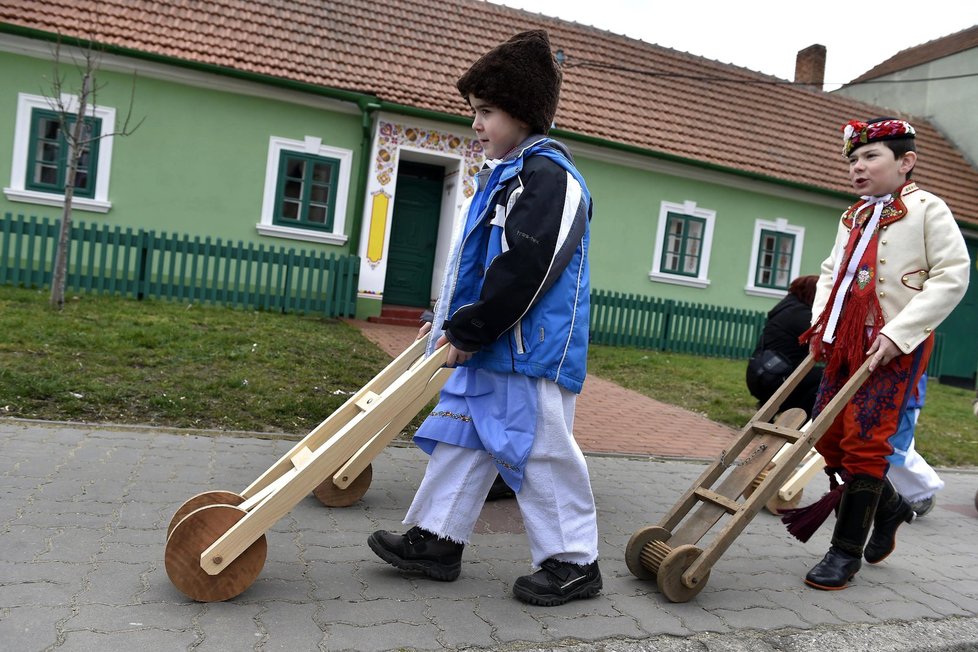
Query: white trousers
915, 480
555, 500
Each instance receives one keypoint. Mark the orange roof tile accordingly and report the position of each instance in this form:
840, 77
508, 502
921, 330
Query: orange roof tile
410, 52
921, 54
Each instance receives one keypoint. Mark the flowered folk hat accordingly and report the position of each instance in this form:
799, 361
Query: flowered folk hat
856, 134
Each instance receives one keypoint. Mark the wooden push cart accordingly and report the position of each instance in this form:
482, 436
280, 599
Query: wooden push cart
215, 544
668, 552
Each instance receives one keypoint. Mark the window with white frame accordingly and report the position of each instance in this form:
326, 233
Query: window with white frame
41, 153
306, 189
775, 257
683, 241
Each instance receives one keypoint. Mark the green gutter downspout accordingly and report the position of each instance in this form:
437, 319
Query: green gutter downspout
368, 108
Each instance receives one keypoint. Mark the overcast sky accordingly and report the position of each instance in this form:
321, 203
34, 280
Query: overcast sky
766, 35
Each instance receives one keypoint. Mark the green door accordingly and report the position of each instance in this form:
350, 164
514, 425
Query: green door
960, 348
414, 233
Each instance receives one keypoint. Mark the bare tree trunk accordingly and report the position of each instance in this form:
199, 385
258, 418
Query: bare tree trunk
75, 144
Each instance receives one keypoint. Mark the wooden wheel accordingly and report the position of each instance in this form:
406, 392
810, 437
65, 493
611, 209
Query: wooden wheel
638, 551
203, 500
777, 503
332, 496
192, 536
670, 575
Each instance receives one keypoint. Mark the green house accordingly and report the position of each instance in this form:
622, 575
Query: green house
332, 128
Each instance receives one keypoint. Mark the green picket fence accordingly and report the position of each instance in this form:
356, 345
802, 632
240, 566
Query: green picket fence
144, 264
666, 325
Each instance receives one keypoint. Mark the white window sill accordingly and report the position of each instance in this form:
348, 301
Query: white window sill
765, 292
44, 199
301, 234
679, 280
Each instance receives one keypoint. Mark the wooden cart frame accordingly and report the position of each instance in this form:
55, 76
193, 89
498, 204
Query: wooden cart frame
668, 553
216, 544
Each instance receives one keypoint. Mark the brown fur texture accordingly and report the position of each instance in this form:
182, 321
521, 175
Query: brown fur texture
520, 77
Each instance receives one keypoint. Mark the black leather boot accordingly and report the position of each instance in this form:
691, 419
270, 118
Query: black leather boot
419, 550
844, 558
893, 511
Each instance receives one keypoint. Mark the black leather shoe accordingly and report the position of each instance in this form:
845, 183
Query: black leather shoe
419, 550
834, 571
921, 507
883, 539
558, 582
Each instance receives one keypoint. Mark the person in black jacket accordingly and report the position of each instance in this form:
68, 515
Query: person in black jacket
785, 323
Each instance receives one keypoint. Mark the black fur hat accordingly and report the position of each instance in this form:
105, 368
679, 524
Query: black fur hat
520, 77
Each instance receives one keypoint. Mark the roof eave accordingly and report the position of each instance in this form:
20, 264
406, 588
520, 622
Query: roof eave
360, 99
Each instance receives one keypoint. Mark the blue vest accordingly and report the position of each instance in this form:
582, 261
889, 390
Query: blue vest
551, 339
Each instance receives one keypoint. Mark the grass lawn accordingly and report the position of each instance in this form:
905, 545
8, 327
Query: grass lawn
116, 360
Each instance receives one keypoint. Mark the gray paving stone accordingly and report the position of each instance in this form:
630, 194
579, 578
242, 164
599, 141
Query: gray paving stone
84, 513
375, 612
511, 623
112, 582
761, 618
459, 625
30, 627
342, 637
126, 641
289, 626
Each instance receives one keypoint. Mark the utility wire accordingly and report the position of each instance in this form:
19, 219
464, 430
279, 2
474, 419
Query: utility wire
584, 63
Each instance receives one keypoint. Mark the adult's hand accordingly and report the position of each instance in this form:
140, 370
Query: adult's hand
882, 351
424, 330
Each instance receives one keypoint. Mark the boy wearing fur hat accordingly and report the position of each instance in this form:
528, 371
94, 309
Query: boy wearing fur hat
514, 310
898, 268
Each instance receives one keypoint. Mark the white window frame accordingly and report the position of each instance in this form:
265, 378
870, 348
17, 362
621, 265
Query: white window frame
779, 225
702, 279
17, 190
313, 146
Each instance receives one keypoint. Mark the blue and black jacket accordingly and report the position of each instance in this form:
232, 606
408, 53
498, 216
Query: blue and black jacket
521, 292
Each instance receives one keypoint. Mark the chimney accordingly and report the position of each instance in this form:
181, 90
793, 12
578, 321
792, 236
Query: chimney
810, 66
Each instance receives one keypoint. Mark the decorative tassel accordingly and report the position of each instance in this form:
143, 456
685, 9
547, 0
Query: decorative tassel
856, 332
803, 522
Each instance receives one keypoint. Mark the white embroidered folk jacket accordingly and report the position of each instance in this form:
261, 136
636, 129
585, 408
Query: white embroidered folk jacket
922, 269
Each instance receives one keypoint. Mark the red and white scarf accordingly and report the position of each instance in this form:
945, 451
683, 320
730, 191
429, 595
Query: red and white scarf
839, 340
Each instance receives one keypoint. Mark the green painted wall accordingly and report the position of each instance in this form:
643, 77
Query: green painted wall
196, 164
626, 215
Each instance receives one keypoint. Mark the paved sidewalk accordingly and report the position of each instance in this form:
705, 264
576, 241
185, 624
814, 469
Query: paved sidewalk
84, 514
609, 418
